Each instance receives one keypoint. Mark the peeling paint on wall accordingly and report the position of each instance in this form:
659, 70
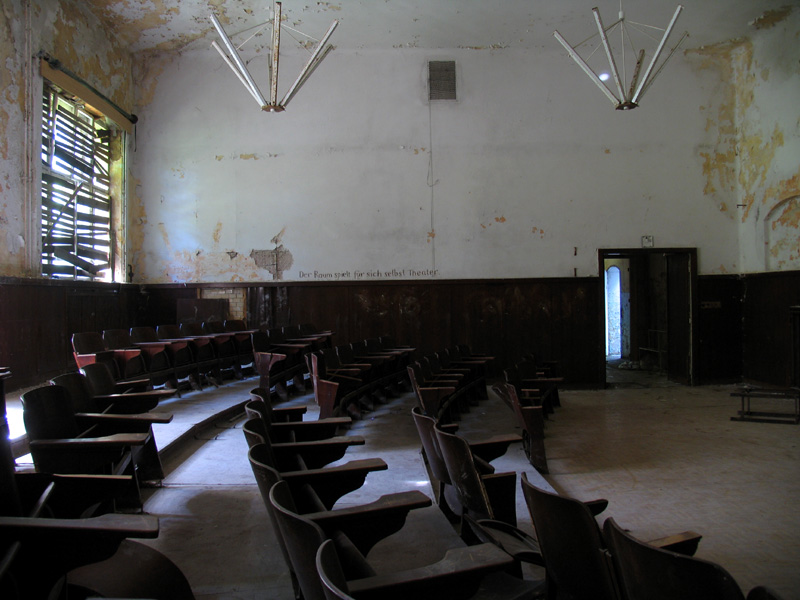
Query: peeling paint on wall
274, 261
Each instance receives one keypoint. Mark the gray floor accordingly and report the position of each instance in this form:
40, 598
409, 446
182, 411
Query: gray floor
667, 457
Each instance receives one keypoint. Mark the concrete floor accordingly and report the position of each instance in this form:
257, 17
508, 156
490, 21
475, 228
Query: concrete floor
666, 456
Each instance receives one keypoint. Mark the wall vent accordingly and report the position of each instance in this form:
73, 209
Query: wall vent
441, 80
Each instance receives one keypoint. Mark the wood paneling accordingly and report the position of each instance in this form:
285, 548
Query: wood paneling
749, 336
767, 336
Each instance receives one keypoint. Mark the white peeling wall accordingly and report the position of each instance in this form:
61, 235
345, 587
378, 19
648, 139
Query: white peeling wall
769, 122
526, 175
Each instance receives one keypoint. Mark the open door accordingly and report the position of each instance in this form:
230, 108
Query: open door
661, 307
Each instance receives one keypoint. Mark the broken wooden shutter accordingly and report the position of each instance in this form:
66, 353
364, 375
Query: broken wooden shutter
76, 202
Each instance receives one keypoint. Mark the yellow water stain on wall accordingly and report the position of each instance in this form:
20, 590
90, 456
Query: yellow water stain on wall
772, 17
251, 156
77, 42
500, 219
756, 158
219, 157
431, 235
217, 232
147, 69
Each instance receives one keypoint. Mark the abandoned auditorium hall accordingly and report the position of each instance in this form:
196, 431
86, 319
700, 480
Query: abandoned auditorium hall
403, 299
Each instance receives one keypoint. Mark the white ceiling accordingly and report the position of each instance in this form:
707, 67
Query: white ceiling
171, 25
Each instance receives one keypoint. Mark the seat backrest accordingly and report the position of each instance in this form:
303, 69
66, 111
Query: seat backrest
234, 325
117, 339
79, 392
645, 571
191, 329
168, 332
255, 432
301, 537
330, 573
571, 544
100, 379
427, 435
214, 326
47, 413
261, 341
143, 334
88, 342
464, 475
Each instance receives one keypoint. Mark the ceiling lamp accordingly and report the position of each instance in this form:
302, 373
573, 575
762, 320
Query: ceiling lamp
231, 57
625, 96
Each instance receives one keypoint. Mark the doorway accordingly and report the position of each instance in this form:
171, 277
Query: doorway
648, 314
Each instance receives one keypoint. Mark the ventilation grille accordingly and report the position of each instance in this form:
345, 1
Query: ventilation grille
442, 80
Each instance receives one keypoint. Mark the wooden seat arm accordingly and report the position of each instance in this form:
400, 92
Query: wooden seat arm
367, 524
596, 506
46, 531
515, 542
305, 431
457, 575
133, 396
316, 454
330, 483
117, 440
494, 447
72, 495
123, 419
685, 542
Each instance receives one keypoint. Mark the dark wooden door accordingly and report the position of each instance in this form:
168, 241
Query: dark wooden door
680, 267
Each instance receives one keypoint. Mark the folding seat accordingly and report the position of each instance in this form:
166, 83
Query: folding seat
224, 347
296, 431
278, 364
573, 546
202, 345
126, 396
66, 553
90, 411
458, 575
650, 572
159, 369
531, 421
242, 341
178, 352
481, 495
483, 452
59, 445
89, 347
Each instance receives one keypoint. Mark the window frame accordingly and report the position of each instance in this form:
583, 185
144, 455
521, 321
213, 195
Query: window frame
76, 196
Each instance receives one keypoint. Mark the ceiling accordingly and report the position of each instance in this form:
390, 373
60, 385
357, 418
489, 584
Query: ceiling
175, 25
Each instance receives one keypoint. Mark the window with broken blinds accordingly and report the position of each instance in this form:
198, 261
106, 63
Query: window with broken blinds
76, 199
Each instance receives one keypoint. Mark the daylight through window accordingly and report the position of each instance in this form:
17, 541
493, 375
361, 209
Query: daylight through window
76, 190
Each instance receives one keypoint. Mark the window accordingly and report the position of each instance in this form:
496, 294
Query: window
76, 189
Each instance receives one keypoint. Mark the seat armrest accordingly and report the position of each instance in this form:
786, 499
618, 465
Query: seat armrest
109, 441
457, 575
494, 447
685, 542
122, 419
367, 524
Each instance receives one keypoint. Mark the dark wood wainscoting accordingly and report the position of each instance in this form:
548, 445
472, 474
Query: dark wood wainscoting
744, 322
38, 318
767, 335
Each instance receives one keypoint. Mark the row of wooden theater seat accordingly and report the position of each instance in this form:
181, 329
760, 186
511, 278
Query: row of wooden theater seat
349, 379
300, 490
581, 559
56, 537
193, 353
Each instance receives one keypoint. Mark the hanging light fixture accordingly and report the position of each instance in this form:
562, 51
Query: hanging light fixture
625, 96
230, 54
